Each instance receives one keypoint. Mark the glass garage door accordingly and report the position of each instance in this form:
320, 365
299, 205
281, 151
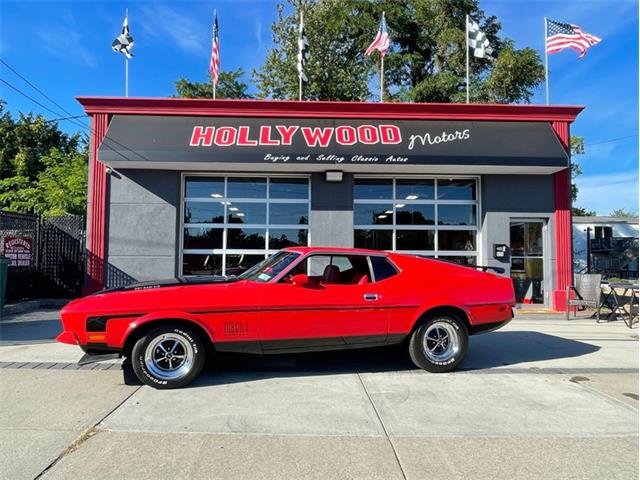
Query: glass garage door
435, 217
231, 223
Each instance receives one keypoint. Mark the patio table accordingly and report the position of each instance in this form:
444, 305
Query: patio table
617, 302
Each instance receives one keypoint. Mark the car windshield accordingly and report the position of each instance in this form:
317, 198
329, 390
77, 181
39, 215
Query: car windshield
270, 267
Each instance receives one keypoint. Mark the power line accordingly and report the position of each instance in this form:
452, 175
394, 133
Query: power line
57, 114
612, 140
79, 124
36, 88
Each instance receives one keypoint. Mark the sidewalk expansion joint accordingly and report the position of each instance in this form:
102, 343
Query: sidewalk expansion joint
384, 428
84, 436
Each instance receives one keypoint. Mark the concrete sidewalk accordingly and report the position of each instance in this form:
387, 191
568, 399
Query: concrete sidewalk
540, 398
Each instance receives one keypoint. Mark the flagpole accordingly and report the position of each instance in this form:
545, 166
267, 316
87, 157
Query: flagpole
381, 78
466, 34
126, 63
546, 61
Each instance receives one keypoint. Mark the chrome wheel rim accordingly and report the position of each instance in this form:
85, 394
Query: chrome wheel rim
169, 356
441, 342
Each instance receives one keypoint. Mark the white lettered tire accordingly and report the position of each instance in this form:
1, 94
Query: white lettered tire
168, 356
439, 344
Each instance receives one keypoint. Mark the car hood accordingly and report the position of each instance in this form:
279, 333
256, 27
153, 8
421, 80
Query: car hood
171, 282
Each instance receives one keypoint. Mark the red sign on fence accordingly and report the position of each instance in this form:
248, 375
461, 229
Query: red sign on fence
18, 250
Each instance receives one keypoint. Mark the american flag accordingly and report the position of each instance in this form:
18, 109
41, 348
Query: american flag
564, 35
382, 40
214, 65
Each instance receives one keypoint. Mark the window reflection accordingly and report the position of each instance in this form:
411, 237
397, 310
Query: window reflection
282, 238
415, 240
456, 215
247, 187
203, 212
415, 214
204, 187
203, 238
294, 188
373, 214
373, 239
456, 189
415, 189
372, 189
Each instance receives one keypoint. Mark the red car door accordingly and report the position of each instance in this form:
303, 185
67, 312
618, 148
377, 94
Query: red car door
339, 310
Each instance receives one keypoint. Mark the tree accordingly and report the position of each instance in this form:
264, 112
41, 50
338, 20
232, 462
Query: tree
337, 32
426, 62
229, 86
621, 212
42, 169
577, 148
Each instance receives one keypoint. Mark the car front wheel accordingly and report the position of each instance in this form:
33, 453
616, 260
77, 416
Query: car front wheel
169, 356
439, 344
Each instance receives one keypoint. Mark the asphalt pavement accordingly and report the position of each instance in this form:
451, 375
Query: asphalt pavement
541, 398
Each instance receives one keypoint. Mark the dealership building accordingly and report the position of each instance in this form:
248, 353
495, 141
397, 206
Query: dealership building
199, 187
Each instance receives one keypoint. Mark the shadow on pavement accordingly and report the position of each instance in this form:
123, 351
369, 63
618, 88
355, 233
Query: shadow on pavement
486, 351
29, 332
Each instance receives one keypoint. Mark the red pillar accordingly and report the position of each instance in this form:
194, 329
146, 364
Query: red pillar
96, 208
562, 217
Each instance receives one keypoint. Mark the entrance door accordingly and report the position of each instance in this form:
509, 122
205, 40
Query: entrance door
527, 260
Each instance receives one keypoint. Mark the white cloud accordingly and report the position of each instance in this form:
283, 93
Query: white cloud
63, 40
162, 22
607, 192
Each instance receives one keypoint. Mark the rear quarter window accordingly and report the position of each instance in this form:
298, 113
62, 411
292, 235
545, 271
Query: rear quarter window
382, 268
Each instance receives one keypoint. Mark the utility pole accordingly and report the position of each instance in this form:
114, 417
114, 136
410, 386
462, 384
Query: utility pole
588, 230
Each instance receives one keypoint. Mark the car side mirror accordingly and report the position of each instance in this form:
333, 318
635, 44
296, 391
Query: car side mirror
300, 280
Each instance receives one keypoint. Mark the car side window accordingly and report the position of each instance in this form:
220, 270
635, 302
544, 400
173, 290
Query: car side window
334, 269
382, 268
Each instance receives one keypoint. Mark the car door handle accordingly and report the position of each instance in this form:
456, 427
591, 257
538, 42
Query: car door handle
371, 296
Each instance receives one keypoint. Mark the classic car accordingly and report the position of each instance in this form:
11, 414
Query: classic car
299, 299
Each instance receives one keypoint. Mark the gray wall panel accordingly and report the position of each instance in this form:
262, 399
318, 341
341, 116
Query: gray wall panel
331, 195
332, 228
518, 193
143, 221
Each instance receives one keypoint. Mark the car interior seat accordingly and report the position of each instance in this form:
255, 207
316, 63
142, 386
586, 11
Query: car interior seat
331, 275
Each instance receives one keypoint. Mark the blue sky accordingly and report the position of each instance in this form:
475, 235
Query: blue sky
65, 49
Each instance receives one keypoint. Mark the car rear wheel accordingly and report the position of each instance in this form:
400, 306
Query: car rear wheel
439, 344
169, 356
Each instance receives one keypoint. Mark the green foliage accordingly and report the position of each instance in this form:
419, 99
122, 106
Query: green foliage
229, 86
426, 62
581, 212
338, 32
622, 212
577, 148
42, 169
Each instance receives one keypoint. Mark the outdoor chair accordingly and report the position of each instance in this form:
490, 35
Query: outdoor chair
587, 293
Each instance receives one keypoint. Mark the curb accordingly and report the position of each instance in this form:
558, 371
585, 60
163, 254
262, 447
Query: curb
33, 305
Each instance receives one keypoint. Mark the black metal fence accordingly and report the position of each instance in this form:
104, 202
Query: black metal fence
47, 255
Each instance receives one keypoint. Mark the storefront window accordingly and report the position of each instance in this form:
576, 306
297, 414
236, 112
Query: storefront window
429, 217
232, 223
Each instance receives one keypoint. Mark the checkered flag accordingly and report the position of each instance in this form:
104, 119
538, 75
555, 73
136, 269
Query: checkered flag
303, 50
124, 43
478, 42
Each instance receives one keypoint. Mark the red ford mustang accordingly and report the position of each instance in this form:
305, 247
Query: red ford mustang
299, 299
